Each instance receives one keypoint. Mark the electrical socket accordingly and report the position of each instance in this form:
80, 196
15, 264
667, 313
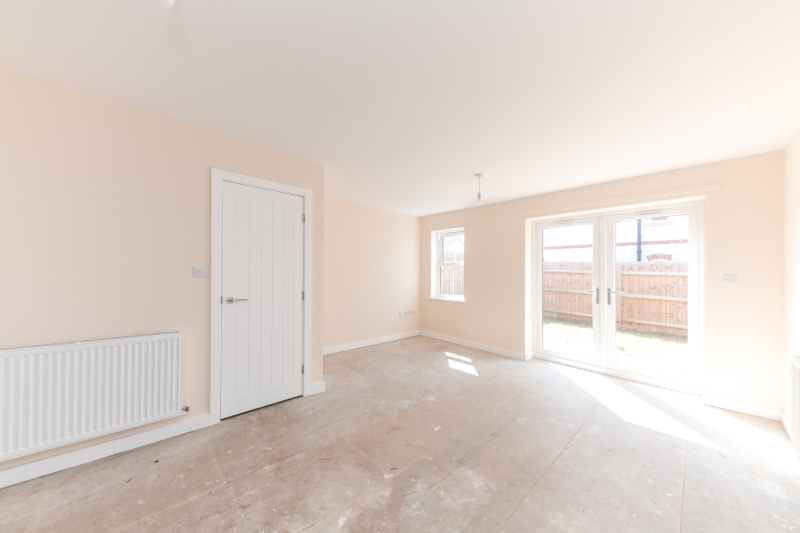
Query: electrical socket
201, 272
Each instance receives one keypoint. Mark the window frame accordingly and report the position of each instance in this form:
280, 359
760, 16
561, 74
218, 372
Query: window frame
438, 263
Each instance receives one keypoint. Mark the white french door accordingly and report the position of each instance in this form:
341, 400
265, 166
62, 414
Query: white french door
621, 291
569, 254
262, 297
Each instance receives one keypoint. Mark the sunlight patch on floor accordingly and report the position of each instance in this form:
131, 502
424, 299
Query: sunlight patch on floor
759, 442
630, 407
457, 365
459, 357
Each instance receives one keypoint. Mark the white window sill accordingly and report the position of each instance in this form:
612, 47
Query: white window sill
458, 301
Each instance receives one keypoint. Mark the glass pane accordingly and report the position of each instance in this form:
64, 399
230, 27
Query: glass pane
452, 276
652, 270
453, 248
567, 270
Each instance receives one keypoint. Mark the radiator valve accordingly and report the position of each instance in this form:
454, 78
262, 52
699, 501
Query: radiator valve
186, 408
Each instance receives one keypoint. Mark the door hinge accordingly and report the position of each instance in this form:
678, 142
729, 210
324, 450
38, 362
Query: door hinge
302, 369
304, 217
304, 295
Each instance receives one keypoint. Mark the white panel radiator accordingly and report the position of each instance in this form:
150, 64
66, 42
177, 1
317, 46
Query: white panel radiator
56, 394
795, 408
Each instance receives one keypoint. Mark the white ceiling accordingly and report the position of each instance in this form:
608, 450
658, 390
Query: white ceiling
404, 101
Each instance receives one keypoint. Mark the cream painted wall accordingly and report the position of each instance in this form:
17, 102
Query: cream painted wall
792, 251
371, 273
744, 235
104, 210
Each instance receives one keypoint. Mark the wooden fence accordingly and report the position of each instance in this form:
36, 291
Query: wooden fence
453, 276
655, 295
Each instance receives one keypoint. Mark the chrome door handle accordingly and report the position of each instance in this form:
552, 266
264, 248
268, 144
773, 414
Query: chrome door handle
597, 294
610, 292
231, 300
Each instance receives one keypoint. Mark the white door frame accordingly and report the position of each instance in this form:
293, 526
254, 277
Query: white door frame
217, 178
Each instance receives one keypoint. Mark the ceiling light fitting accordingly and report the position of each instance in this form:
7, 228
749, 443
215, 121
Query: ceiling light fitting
479, 176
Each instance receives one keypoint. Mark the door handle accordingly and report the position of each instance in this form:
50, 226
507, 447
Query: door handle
597, 294
610, 292
231, 300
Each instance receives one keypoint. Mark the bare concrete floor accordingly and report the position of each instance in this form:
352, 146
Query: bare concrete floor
421, 435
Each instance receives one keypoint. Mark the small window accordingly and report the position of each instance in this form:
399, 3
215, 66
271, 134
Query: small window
450, 264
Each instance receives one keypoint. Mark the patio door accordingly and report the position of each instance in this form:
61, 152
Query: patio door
621, 292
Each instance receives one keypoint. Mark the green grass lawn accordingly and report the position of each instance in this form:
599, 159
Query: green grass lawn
656, 351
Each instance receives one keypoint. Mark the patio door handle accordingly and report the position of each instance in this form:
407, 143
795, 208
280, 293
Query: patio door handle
610, 292
597, 294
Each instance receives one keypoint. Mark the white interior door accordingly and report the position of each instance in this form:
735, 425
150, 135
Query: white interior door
262, 293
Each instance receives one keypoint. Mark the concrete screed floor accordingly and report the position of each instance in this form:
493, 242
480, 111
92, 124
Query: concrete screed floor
421, 435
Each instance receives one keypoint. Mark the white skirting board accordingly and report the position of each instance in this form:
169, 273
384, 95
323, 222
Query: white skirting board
315, 388
477, 346
742, 407
54, 464
368, 342
29, 471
